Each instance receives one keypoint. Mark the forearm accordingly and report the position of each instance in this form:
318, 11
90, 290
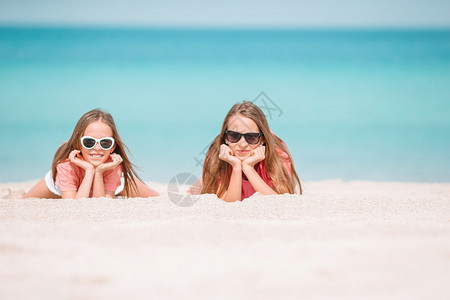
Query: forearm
234, 191
85, 187
99, 186
257, 182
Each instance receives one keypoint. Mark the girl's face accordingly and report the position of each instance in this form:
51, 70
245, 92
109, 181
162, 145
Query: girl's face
97, 156
241, 124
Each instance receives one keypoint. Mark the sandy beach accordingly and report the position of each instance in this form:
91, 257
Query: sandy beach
340, 240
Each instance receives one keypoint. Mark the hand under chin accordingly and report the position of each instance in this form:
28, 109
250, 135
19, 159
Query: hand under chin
96, 163
242, 158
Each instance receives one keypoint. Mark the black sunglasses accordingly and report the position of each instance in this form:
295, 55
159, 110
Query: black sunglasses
251, 137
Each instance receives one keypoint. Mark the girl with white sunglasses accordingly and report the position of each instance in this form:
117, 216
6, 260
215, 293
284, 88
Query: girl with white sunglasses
92, 163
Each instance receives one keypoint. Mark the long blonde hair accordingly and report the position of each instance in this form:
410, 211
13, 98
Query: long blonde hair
217, 173
74, 143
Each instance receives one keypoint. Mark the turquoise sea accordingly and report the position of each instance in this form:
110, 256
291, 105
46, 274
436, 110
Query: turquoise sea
350, 104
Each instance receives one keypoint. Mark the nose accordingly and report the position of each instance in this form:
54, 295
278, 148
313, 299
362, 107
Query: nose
97, 146
242, 142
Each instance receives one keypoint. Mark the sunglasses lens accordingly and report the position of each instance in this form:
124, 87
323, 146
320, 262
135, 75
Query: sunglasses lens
233, 137
252, 138
88, 143
106, 144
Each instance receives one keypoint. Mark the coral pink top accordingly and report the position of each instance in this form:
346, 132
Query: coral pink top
247, 188
69, 177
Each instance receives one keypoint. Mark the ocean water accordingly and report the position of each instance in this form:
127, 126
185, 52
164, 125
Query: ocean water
354, 105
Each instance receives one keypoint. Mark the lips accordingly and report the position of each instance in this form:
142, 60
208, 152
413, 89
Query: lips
243, 152
96, 156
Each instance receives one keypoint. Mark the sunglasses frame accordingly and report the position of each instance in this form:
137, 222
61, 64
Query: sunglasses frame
97, 141
260, 134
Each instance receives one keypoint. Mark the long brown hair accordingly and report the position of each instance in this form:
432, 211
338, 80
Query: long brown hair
74, 142
217, 173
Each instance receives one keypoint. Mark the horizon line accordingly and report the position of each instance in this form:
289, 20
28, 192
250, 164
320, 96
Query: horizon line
216, 27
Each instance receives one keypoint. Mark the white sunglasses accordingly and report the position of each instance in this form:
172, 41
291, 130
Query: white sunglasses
89, 142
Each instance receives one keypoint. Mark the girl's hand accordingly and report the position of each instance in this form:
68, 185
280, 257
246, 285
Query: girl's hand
77, 159
226, 154
116, 160
258, 155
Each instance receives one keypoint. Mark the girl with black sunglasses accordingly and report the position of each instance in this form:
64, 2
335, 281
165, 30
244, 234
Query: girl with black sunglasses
246, 157
92, 163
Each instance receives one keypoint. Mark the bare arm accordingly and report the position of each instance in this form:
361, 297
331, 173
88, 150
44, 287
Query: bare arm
99, 185
257, 182
234, 192
86, 185
83, 190
248, 167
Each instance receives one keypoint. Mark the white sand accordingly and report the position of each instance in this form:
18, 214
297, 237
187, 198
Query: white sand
345, 240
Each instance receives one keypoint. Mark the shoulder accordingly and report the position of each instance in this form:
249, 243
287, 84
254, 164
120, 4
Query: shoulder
66, 166
68, 176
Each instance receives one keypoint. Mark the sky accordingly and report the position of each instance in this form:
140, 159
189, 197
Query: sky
231, 13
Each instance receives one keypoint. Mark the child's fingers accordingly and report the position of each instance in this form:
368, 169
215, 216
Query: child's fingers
117, 158
73, 154
222, 155
259, 153
227, 150
225, 153
262, 151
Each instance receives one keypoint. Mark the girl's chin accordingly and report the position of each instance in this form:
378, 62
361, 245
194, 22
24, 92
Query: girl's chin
95, 163
242, 158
